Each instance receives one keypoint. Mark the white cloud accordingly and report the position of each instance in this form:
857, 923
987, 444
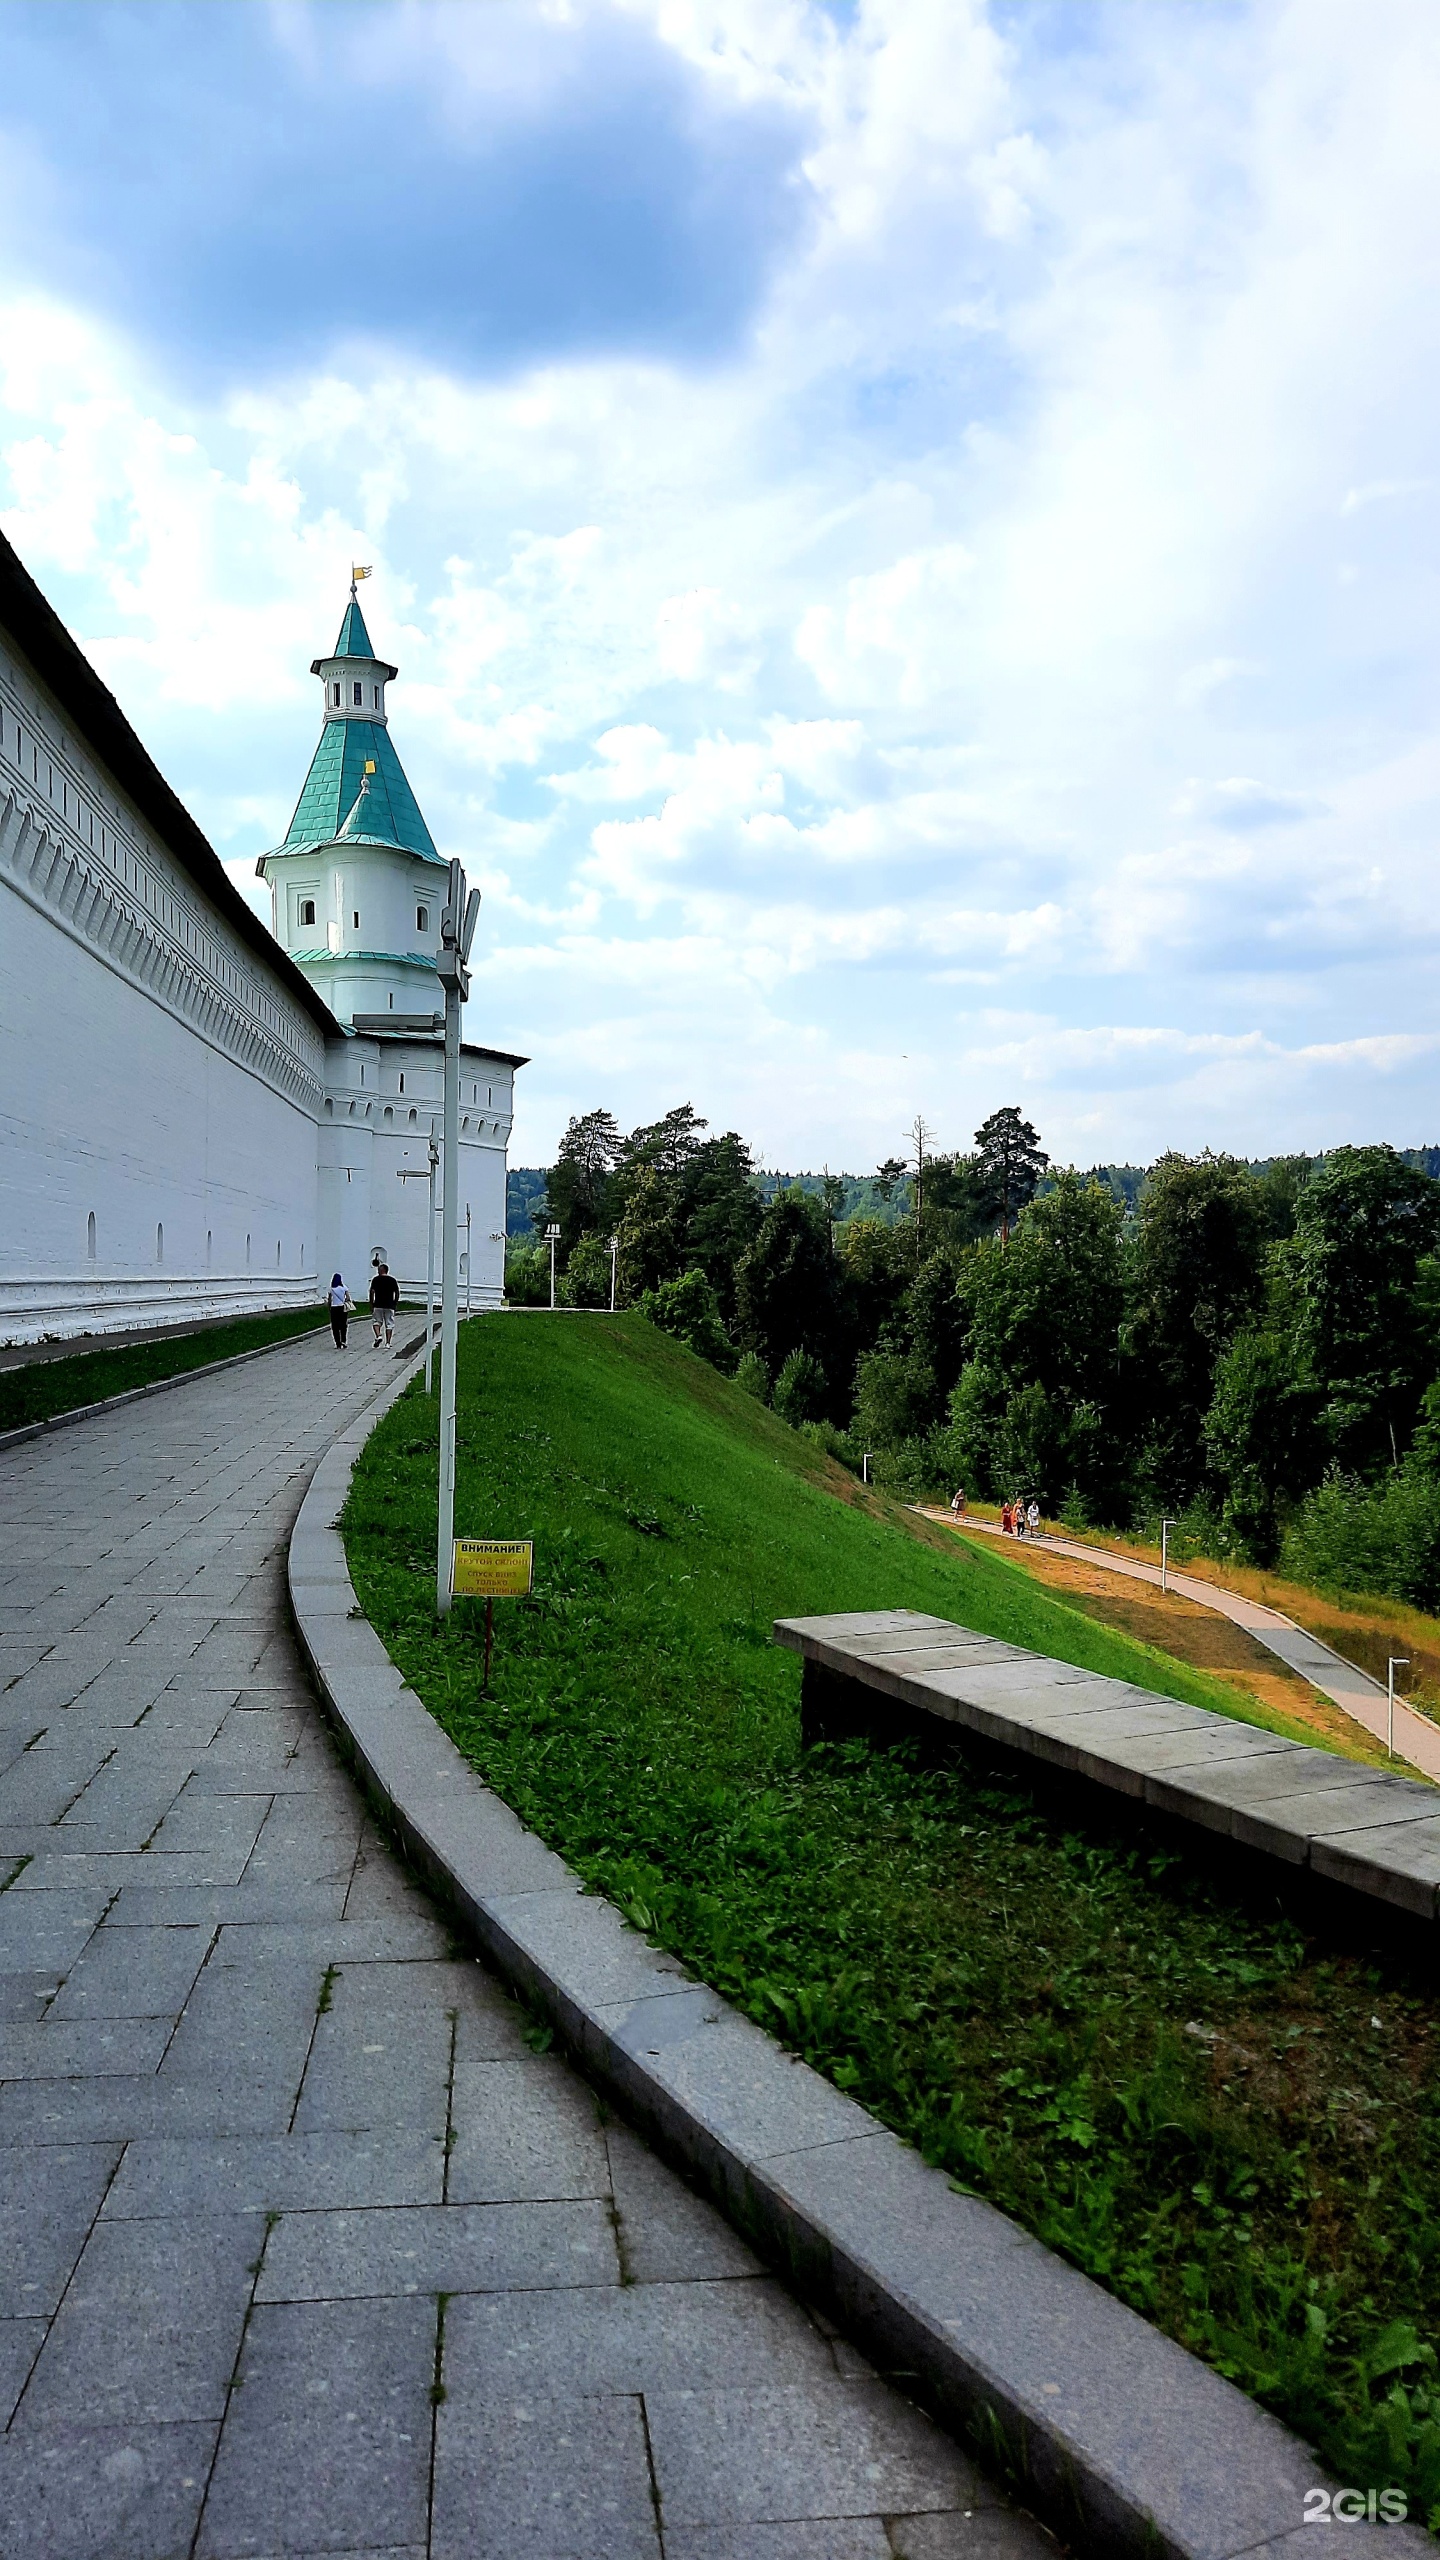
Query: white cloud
950, 681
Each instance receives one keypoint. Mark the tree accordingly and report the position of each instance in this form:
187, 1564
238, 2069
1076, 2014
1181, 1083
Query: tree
1260, 1436
785, 1289
958, 1208
578, 1186
667, 1144
1363, 1226
718, 1212
894, 1398
1009, 1161
1198, 1275
585, 1281
687, 1308
1043, 1314
650, 1243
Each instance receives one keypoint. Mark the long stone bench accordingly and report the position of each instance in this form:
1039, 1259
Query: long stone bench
878, 1671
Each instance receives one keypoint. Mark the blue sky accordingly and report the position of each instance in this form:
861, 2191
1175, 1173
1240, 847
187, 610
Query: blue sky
909, 530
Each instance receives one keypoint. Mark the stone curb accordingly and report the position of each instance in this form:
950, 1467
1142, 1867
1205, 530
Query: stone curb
1124, 2441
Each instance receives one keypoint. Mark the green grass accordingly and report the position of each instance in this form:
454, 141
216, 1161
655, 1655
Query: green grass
1233, 2128
47, 1387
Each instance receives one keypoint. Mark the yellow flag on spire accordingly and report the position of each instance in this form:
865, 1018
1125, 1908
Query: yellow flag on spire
357, 574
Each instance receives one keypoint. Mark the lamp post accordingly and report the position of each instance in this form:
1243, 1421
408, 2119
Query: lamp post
469, 1266
614, 1269
1397, 1662
412, 1173
552, 1238
1165, 1528
457, 932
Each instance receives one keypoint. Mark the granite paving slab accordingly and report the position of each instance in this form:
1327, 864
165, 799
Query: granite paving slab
296, 2135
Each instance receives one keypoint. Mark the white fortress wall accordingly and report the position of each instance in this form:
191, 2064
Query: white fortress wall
156, 1078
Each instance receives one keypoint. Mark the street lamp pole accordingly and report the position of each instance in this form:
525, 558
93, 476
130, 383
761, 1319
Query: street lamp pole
457, 932
1165, 1528
1397, 1662
614, 1269
552, 1238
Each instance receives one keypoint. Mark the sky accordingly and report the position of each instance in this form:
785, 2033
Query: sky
909, 530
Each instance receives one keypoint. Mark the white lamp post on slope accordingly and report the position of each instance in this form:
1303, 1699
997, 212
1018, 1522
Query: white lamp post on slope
614, 1269
552, 1238
457, 932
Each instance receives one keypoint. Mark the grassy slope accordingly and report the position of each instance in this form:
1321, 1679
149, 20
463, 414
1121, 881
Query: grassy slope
48, 1387
1193, 2104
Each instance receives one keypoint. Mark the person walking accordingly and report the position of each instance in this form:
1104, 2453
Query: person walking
1018, 1507
1033, 1519
384, 1299
957, 1502
340, 1303
1007, 1520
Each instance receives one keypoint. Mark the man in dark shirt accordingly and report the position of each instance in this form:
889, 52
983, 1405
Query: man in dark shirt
384, 1299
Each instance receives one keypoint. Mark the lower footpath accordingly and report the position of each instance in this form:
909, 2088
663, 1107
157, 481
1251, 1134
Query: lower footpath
1417, 1740
305, 2247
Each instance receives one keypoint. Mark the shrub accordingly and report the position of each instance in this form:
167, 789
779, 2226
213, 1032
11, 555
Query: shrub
800, 1389
753, 1377
1384, 1538
527, 1274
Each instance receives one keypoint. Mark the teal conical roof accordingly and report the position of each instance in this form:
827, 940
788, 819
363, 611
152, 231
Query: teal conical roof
354, 640
388, 812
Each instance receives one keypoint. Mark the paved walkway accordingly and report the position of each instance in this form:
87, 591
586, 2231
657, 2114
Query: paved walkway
1417, 1740
303, 2247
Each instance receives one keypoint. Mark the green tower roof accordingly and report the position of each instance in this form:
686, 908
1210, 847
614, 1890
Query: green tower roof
387, 814
354, 640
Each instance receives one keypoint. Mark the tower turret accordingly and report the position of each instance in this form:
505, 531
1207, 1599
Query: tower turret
356, 887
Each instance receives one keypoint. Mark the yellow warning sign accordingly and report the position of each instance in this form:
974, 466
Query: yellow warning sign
492, 1568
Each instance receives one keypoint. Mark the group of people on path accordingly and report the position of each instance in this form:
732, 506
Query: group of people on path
1018, 1519
384, 1299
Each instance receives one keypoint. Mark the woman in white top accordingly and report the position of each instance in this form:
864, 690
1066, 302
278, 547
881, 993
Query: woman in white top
340, 1307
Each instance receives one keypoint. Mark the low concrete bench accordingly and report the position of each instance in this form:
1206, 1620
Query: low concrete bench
883, 1671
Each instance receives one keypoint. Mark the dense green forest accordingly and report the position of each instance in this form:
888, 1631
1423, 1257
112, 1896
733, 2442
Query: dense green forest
1253, 1349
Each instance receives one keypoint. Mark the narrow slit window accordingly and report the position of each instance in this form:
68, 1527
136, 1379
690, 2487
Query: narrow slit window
307, 910
375, 689
160, 1244
402, 1082
355, 918
335, 695
422, 919
90, 1235
359, 695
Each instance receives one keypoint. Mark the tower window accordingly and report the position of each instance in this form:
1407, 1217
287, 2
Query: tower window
402, 1080
307, 910
90, 1235
359, 695
375, 689
355, 918
159, 1244
335, 695
422, 919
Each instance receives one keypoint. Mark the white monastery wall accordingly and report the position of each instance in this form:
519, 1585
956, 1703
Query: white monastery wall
374, 1125
153, 1076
